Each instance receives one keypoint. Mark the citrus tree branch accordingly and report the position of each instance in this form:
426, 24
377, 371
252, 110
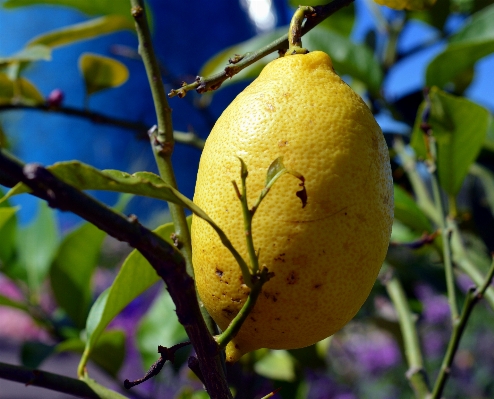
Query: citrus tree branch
202, 85
167, 262
139, 128
416, 372
473, 297
44, 379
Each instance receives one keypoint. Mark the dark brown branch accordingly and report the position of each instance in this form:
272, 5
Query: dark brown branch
163, 257
43, 379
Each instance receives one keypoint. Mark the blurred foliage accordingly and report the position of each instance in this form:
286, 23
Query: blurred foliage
54, 276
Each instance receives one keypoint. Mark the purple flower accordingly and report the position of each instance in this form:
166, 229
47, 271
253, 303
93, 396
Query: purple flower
435, 306
55, 98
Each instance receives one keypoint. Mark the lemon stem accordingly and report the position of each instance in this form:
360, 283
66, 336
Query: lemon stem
234, 327
295, 30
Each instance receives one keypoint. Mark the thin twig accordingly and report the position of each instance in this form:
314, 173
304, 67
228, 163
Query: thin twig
139, 128
473, 297
202, 85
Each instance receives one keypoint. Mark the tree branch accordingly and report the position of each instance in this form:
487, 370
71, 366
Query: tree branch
163, 257
139, 128
202, 85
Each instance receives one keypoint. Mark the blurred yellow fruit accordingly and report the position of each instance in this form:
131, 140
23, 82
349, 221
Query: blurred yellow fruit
407, 4
325, 256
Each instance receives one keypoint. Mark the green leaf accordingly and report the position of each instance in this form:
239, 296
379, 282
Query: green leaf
34, 353
341, 21
160, 326
108, 353
102, 391
37, 245
135, 276
8, 232
408, 212
349, 58
459, 127
20, 90
72, 270
486, 177
219, 61
276, 365
34, 53
101, 73
81, 31
473, 42
5, 301
437, 17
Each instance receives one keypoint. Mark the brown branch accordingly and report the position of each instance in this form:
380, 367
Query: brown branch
139, 128
163, 257
238, 63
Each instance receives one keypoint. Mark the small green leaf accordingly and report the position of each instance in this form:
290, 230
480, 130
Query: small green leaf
408, 212
34, 353
37, 245
102, 391
275, 170
135, 276
276, 365
20, 90
160, 326
81, 31
101, 73
436, 18
349, 58
8, 232
34, 53
71, 273
459, 127
473, 42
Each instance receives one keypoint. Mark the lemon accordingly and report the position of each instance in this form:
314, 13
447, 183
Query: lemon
325, 256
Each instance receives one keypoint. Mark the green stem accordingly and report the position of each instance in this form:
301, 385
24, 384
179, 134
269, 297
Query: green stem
444, 225
234, 327
416, 373
473, 296
424, 200
295, 31
247, 216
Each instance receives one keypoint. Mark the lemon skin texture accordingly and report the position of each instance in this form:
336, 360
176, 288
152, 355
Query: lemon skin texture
325, 256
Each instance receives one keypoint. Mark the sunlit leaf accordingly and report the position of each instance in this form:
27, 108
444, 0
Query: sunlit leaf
81, 31
276, 365
160, 326
135, 276
408, 212
20, 90
459, 127
407, 4
71, 273
470, 44
37, 245
34, 53
101, 73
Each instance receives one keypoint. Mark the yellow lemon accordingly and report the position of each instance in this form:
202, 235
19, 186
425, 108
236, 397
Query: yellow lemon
325, 256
